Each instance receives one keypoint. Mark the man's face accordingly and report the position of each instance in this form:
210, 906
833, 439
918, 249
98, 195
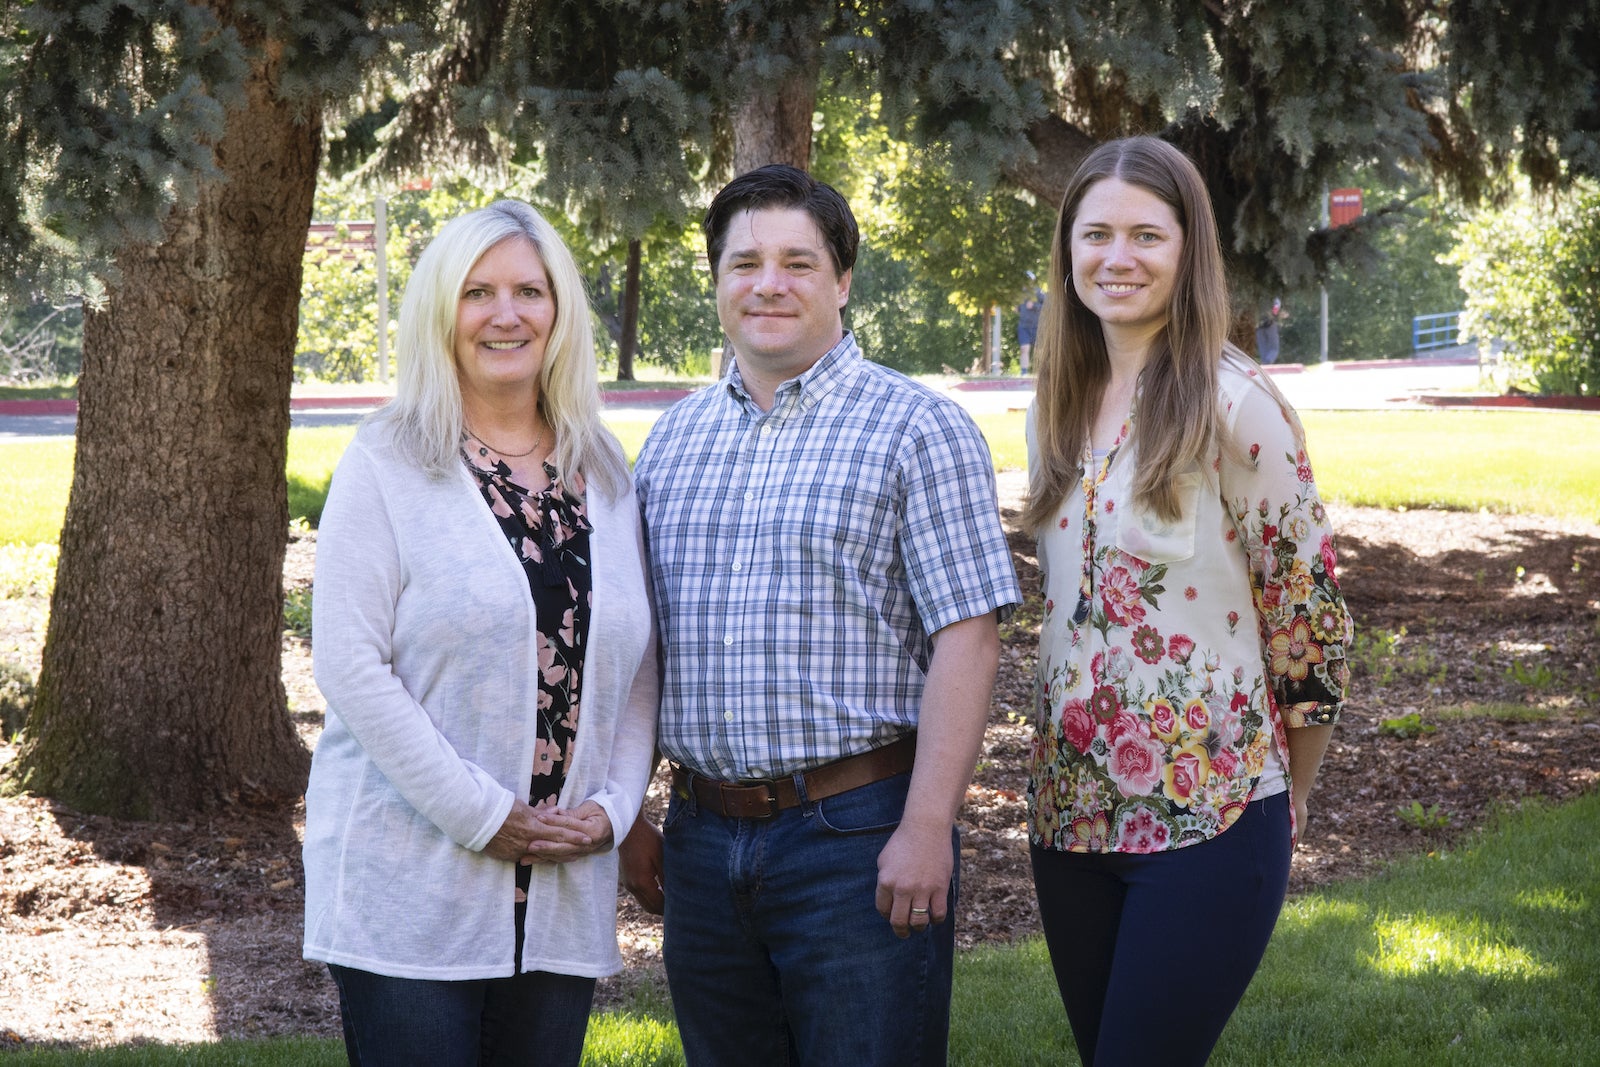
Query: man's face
778, 295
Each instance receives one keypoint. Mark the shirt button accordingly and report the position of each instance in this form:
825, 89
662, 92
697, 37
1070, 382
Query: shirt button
727, 716
738, 566
766, 427
728, 639
749, 495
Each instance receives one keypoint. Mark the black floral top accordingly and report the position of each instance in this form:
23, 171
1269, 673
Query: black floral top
549, 532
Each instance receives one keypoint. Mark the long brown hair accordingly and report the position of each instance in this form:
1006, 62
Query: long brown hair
1178, 419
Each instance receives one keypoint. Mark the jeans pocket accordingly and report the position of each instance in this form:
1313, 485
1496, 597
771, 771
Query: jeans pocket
869, 809
677, 807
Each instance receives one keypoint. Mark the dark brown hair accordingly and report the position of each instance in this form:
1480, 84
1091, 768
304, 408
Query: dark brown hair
778, 185
1178, 420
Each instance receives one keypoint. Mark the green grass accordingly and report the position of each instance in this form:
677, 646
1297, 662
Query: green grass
1482, 955
57, 390
1535, 462
1523, 462
1544, 463
37, 476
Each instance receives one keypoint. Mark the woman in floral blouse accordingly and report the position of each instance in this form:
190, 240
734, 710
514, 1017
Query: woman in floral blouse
484, 639
1192, 653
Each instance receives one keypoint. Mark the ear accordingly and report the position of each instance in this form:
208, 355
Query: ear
844, 288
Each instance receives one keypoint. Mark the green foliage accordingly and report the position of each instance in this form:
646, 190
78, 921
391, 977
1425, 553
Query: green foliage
16, 698
40, 341
1532, 270
297, 611
1531, 676
112, 110
1406, 727
1426, 819
1373, 298
28, 569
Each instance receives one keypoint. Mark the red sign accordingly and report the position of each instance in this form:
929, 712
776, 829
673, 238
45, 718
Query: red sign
1344, 206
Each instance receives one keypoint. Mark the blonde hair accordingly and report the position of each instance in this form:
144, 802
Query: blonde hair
426, 415
1178, 417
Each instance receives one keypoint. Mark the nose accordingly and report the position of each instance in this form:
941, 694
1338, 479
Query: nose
1120, 254
504, 311
770, 279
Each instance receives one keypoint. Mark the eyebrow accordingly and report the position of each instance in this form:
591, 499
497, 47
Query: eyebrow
792, 252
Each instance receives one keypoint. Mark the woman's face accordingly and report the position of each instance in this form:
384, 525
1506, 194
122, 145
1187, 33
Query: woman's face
504, 313
1125, 244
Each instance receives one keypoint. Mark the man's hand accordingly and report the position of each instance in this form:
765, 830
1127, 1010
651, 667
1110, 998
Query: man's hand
640, 865
914, 872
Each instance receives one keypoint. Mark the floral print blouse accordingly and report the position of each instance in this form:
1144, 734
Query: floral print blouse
549, 532
1203, 639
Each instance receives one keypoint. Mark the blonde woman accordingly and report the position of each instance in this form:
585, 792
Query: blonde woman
483, 637
1192, 653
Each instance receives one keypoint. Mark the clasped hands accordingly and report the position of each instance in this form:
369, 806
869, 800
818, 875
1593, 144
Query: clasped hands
550, 835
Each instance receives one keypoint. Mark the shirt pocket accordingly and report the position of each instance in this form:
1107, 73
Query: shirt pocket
1149, 537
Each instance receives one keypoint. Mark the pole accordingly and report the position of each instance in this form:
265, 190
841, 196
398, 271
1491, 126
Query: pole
994, 340
1324, 330
380, 240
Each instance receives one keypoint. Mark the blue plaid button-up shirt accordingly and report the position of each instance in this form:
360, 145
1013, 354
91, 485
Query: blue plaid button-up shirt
802, 556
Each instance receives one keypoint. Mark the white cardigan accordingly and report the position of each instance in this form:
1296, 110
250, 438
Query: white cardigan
425, 647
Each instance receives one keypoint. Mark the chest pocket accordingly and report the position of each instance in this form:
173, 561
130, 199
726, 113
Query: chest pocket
1148, 536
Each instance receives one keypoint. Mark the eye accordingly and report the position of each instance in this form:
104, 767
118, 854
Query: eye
532, 292
473, 293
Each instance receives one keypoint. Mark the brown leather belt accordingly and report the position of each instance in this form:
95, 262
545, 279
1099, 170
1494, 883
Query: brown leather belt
764, 798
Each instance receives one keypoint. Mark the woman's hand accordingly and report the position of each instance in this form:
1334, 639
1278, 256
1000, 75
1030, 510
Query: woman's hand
562, 836
550, 835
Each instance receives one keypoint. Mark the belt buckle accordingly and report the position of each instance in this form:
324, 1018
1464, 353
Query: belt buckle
771, 798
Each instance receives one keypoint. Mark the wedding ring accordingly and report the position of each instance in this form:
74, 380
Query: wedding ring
919, 911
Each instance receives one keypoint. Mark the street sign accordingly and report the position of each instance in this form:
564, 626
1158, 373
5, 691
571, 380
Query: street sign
1344, 206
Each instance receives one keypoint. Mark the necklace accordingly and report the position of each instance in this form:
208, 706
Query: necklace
502, 452
1091, 486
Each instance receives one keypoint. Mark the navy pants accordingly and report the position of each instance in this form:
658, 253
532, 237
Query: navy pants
535, 1019
1153, 952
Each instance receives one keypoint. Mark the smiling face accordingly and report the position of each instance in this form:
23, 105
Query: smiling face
1126, 247
778, 295
503, 318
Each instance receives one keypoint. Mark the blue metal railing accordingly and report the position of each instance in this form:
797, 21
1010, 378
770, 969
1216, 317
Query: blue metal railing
1435, 331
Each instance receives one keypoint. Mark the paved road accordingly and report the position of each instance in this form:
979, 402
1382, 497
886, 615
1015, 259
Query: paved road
1335, 386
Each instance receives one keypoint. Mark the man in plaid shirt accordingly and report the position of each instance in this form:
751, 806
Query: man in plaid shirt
830, 572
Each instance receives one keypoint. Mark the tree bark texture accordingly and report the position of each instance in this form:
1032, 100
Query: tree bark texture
629, 343
773, 123
161, 691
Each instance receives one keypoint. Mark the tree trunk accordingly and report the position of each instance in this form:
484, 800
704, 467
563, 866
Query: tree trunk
773, 123
629, 342
161, 691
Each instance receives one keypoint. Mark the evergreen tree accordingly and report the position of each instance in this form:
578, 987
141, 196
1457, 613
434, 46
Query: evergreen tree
170, 148
174, 147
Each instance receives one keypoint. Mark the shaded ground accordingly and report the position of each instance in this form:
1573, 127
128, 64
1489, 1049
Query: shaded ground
116, 931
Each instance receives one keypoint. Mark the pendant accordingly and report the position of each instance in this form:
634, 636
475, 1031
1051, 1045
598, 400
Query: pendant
1081, 615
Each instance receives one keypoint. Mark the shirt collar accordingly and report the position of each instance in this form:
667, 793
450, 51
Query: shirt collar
837, 366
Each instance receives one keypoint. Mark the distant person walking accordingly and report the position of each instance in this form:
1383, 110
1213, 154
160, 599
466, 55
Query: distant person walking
1028, 326
1267, 333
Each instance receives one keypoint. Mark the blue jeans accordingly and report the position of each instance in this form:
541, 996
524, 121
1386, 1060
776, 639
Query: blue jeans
1153, 952
774, 948
529, 1019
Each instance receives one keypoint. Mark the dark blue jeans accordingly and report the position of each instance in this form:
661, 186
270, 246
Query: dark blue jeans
775, 950
529, 1019
1153, 952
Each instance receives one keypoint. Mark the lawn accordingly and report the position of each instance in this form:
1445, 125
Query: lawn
1483, 955
1534, 462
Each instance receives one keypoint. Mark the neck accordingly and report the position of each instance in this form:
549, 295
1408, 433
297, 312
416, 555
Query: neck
513, 424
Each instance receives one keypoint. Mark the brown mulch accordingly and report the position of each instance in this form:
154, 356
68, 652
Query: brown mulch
114, 931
